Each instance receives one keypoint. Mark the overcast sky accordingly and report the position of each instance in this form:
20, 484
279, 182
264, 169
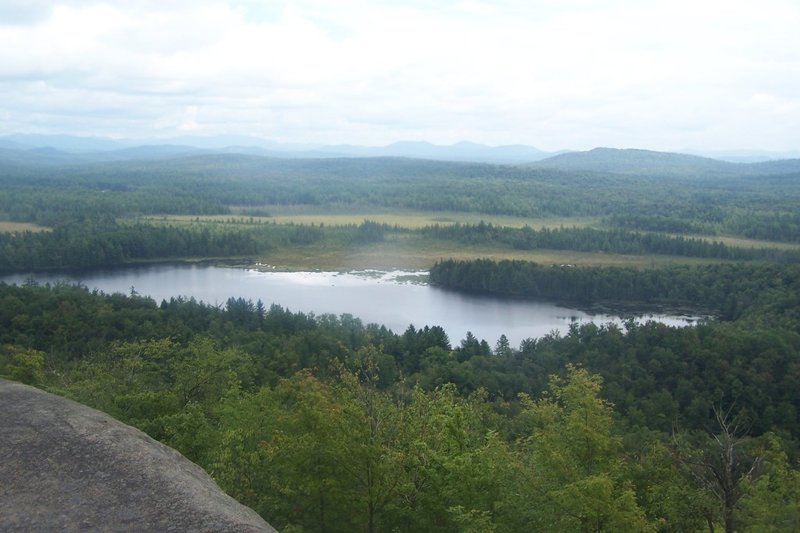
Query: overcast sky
560, 74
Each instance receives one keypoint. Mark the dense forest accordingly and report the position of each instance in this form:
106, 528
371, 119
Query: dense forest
613, 241
726, 290
760, 205
323, 423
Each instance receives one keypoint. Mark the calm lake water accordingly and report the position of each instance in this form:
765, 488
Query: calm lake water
388, 298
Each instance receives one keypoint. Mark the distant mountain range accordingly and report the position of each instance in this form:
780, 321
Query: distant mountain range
95, 148
66, 149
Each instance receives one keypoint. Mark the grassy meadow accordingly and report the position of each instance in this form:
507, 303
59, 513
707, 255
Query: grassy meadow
414, 251
20, 227
401, 219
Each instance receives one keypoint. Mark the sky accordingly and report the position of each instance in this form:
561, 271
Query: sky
554, 74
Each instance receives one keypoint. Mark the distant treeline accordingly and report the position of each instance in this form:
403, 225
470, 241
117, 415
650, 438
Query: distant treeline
107, 243
763, 207
610, 241
91, 244
780, 226
55, 204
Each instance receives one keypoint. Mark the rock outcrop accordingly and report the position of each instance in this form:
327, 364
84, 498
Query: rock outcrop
65, 466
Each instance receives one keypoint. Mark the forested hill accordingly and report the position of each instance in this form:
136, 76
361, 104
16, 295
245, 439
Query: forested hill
698, 201
177, 160
596, 161
247, 167
666, 164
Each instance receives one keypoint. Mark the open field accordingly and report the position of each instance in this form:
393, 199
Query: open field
416, 253
16, 227
421, 219
748, 243
402, 219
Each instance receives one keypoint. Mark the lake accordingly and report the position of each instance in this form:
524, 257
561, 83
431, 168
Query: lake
394, 299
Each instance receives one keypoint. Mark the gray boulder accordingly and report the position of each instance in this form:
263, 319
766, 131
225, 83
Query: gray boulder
67, 467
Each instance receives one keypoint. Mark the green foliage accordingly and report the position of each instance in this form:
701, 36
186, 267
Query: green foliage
762, 205
404, 432
728, 289
23, 365
322, 423
286, 454
719, 465
606, 241
370, 231
84, 203
108, 243
666, 493
574, 457
772, 501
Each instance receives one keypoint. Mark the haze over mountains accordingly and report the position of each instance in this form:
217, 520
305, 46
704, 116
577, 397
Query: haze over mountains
103, 148
666, 164
67, 149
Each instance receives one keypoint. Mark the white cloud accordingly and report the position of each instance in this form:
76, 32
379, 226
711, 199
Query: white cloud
555, 74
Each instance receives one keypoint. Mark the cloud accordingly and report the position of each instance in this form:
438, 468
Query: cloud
23, 12
555, 74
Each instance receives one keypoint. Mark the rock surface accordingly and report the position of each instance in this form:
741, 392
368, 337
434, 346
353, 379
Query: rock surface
67, 467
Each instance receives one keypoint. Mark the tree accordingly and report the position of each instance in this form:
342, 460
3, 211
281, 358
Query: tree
373, 424
720, 465
577, 481
665, 491
771, 502
503, 347
283, 452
